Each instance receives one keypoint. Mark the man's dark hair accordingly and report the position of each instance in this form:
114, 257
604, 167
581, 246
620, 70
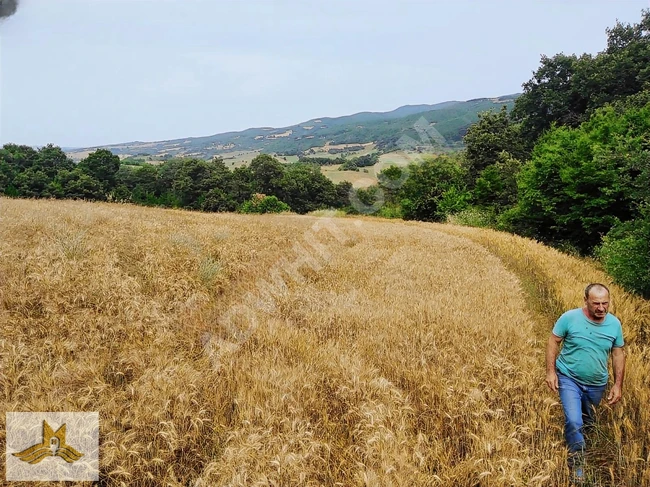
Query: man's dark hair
593, 285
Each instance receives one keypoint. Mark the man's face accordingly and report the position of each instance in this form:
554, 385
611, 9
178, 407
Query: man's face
597, 303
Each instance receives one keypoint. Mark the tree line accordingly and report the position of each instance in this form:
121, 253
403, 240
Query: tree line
177, 183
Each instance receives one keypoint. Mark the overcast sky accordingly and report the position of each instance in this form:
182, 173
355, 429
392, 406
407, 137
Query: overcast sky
92, 72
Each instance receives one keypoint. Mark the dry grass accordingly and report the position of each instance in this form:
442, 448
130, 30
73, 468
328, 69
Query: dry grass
396, 355
363, 179
359, 179
401, 158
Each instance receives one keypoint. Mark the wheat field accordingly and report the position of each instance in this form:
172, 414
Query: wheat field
233, 350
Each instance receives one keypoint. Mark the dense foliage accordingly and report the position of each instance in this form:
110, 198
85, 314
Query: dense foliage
567, 90
580, 182
180, 183
355, 163
434, 188
586, 185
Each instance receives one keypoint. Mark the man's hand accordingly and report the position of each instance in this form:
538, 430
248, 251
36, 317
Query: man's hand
614, 395
551, 381
618, 360
552, 349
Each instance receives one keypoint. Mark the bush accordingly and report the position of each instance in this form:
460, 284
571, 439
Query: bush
625, 255
452, 201
433, 189
473, 217
390, 211
260, 203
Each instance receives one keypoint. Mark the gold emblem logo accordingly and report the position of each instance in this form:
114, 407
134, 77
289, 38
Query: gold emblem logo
53, 445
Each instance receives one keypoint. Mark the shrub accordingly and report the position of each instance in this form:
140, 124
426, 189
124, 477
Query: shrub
473, 217
217, 200
390, 211
260, 203
452, 201
625, 254
433, 190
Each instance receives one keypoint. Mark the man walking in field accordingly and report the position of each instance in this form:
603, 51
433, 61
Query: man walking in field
590, 334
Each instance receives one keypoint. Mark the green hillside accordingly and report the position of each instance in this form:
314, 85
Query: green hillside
450, 119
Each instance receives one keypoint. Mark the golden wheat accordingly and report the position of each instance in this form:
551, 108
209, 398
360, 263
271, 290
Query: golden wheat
229, 350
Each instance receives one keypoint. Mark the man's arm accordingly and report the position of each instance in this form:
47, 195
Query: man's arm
618, 361
552, 349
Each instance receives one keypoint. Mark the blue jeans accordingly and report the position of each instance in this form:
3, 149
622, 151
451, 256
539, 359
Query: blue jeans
578, 402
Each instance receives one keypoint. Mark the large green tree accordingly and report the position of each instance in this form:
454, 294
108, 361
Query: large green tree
487, 139
580, 182
33, 183
77, 184
51, 159
431, 183
305, 188
241, 184
194, 178
20, 157
553, 95
496, 187
138, 184
102, 165
15, 159
267, 174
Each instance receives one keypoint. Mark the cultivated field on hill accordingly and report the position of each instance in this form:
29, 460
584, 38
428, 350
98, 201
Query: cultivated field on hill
237, 350
367, 176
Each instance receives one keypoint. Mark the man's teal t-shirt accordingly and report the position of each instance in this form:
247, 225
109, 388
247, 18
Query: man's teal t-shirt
587, 345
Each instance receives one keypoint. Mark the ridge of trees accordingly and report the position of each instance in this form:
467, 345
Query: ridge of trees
177, 183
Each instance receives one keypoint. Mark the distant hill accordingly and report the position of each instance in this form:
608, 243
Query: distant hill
384, 129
